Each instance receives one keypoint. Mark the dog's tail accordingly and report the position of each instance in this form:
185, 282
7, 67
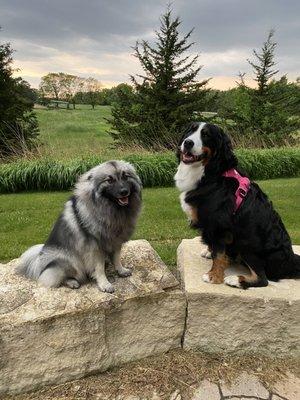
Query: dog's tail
29, 264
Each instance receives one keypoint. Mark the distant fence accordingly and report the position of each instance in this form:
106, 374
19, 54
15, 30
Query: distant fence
58, 104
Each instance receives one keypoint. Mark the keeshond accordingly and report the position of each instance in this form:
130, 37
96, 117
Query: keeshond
99, 217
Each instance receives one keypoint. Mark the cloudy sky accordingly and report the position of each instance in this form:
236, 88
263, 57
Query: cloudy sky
94, 37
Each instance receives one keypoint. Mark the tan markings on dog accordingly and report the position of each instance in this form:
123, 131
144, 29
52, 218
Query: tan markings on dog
207, 151
252, 278
194, 215
220, 263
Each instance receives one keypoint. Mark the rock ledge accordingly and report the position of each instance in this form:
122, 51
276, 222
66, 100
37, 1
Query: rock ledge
222, 319
50, 336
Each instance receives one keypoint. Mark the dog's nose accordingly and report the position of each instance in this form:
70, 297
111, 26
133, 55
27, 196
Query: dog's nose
188, 144
124, 192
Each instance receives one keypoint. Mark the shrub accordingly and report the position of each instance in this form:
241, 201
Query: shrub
154, 170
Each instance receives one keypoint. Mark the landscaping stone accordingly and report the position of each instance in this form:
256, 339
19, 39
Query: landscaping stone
245, 385
50, 336
288, 388
207, 390
223, 319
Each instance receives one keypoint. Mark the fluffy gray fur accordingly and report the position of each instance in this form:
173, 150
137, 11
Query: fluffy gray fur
95, 222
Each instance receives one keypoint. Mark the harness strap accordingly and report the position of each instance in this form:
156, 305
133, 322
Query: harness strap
242, 190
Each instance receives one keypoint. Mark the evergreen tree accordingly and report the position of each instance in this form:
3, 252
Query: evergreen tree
167, 95
265, 62
18, 124
264, 114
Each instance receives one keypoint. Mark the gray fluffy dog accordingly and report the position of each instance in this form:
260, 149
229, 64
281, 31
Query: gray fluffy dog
95, 222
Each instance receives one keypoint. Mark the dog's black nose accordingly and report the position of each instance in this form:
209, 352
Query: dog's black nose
124, 192
188, 144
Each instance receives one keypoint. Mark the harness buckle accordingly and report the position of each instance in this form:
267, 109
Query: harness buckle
242, 192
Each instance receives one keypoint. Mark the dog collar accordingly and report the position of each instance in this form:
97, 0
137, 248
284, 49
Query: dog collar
242, 190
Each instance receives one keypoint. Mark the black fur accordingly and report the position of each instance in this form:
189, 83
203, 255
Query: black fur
257, 231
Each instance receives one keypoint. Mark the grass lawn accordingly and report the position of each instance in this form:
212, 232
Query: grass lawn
67, 134
26, 218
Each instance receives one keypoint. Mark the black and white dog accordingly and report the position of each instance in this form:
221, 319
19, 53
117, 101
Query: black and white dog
235, 217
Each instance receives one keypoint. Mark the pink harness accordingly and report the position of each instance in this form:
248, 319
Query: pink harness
242, 190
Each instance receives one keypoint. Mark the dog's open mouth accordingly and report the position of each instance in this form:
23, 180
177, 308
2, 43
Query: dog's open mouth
189, 158
123, 201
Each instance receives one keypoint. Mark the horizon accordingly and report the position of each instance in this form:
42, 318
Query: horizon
96, 40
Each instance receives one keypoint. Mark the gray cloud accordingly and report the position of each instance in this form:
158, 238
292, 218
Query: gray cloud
95, 37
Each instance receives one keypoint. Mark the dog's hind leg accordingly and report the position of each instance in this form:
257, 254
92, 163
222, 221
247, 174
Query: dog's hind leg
72, 283
58, 273
52, 276
256, 278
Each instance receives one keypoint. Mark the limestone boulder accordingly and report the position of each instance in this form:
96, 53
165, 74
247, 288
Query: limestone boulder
224, 319
50, 336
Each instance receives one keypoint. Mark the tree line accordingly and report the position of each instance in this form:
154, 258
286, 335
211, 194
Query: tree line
77, 90
154, 109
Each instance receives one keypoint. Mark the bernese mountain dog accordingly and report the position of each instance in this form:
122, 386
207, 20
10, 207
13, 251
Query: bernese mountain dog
236, 219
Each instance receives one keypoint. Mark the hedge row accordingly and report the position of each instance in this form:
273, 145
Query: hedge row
154, 170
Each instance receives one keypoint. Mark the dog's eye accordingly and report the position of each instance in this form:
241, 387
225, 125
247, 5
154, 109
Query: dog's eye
110, 179
126, 176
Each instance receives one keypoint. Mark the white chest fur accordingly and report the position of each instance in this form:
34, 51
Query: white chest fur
188, 175
186, 179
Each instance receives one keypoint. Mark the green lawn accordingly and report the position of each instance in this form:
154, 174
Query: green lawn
26, 218
67, 134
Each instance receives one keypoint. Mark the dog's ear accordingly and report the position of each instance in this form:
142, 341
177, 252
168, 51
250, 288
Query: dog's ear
138, 180
223, 158
226, 151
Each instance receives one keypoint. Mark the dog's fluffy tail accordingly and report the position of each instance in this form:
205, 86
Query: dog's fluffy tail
29, 263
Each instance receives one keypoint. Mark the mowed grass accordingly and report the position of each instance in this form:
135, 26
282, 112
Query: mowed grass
26, 218
68, 134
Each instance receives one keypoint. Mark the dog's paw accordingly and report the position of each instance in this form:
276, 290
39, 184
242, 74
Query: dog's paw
106, 287
209, 277
233, 280
72, 283
123, 272
205, 253
206, 278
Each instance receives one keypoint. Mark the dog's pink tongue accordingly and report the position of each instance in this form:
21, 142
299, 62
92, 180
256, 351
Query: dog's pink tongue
123, 200
188, 157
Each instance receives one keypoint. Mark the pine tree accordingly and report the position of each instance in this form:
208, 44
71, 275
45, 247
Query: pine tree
265, 113
265, 62
18, 124
167, 94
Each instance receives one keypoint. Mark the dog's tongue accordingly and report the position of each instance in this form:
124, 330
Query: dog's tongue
123, 201
188, 157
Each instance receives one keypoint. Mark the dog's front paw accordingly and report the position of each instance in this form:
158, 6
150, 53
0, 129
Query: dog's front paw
205, 253
206, 278
209, 277
123, 272
106, 287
